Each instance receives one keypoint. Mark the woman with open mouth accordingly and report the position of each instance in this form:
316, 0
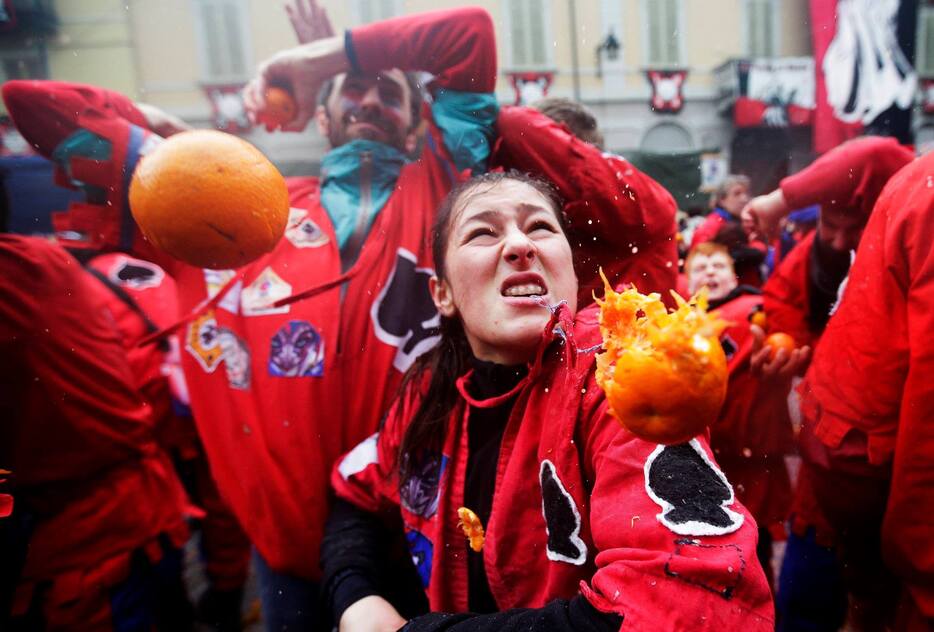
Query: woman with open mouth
574, 523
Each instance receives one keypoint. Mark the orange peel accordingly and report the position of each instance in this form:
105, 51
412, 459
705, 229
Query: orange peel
472, 527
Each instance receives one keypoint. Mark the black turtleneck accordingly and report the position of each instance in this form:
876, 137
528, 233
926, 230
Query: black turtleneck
485, 428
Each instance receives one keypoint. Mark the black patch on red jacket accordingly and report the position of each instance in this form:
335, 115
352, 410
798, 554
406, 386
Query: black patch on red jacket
404, 314
137, 274
562, 519
718, 568
693, 494
729, 346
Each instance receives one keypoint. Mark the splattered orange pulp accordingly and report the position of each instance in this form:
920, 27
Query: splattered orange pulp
664, 372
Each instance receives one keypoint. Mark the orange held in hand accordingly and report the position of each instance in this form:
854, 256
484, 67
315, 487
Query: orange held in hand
779, 341
470, 523
280, 108
664, 373
759, 319
210, 199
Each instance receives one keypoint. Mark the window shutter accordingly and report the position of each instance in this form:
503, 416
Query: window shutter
925, 57
222, 32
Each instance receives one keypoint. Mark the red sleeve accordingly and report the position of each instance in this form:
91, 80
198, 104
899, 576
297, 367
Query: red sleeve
785, 294
849, 177
910, 266
458, 46
47, 112
644, 565
619, 218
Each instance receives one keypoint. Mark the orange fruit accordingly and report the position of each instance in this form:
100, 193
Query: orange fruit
210, 199
280, 107
664, 373
759, 319
778, 341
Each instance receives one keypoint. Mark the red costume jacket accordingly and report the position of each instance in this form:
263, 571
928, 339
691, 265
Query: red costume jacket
869, 395
753, 434
156, 366
621, 220
75, 432
580, 505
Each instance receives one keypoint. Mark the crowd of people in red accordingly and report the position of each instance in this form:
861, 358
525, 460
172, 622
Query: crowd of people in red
422, 339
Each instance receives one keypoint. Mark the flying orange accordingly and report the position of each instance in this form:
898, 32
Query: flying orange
210, 199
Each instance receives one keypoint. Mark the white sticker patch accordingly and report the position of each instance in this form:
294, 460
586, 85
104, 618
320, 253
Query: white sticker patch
215, 280
302, 232
257, 298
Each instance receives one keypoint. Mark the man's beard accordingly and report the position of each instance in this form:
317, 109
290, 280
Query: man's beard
338, 134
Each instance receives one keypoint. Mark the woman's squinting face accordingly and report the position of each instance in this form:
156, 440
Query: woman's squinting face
506, 255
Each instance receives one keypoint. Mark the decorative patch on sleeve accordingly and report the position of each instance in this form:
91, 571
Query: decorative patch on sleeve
562, 519
136, 274
257, 298
302, 232
214, 280
691, 490
403, 314
364, 453
718, 568
236, 359
210, 345
296, 350
422, 551
422, 491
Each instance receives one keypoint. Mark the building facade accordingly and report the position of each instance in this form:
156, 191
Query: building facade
190, 57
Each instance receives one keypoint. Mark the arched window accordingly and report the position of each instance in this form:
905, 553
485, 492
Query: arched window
667, 138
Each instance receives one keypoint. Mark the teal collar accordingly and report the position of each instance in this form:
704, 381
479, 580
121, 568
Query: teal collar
357, 179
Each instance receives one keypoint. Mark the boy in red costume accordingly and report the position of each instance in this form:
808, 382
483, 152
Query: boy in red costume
731, 197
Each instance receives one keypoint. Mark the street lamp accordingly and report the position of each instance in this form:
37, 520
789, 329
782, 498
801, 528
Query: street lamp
611, 46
